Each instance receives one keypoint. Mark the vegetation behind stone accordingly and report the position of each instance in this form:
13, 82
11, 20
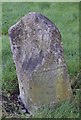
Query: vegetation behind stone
66, 17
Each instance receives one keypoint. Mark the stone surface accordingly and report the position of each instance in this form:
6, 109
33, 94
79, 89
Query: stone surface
38, 54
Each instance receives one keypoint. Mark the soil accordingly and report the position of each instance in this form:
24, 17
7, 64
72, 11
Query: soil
12, 106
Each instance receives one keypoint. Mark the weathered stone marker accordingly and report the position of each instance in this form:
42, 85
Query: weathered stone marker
39, 58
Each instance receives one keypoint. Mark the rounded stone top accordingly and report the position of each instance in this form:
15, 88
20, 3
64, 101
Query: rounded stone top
36, 37
34, 18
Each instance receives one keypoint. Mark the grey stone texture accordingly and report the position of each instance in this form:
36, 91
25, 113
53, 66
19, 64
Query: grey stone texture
39, 58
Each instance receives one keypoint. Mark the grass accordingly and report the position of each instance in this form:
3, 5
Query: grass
0, 62
65, 109
66, 18
9, 76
